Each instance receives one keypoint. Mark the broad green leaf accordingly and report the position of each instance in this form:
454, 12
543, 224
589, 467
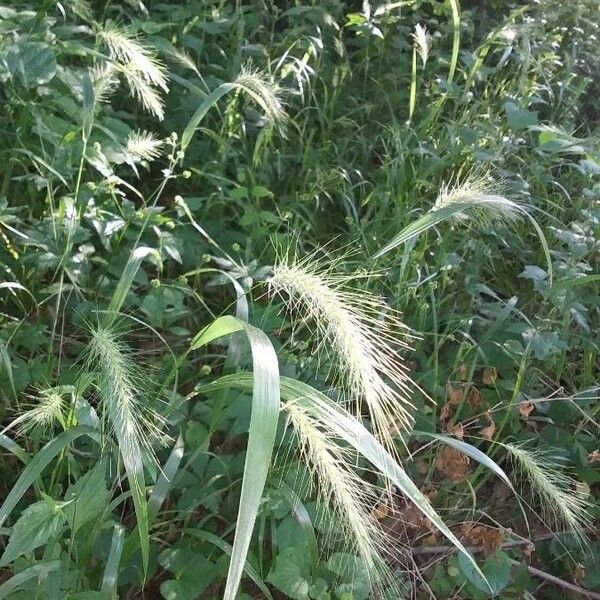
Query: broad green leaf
519, 118
16, 581
261, 439
496, 570
353, 573
29, 63
38, 463
303, 519
87, 497
38, 523
290, 573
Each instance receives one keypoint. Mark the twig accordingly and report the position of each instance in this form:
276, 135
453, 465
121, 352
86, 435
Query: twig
560, 582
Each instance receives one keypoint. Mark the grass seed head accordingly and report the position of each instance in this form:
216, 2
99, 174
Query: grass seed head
561, 499
482, 200
349, 498
143, 145
358, 333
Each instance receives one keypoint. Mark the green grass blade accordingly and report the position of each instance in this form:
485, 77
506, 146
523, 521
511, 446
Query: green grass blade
422, 224
545, 246
413, 84
454, 5
207, 104
471, 452
111, 570
38, 463
12, 446
124, 285
157, 497
215, 540
6, 363
16, 581
261, 439
165, 479
569, 282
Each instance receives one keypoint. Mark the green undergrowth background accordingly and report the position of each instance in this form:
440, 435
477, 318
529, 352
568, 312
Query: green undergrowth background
506, 321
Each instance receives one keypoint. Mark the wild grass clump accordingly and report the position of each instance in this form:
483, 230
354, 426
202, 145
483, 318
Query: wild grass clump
358, 333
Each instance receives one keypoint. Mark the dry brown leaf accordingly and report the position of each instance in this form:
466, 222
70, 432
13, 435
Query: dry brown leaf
489, 376
414, 518
429, 540
445, 412
455, 395
457, 430
453, 464
463, 371
380, 511
489, 431
489, 539
526, 408
474, 399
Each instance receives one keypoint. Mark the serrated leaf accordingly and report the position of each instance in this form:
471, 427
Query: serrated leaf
86, 498
37, 524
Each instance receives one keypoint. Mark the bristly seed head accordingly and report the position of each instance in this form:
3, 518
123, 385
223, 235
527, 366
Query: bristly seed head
481, 199
358, 332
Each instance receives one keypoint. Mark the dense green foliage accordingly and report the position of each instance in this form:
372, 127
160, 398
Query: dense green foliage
180, 180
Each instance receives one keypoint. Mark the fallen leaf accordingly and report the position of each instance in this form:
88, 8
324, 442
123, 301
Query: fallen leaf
429, 540
453, 463
380, 511
463, 371
474, 399
489, 539
579, 574
455, 395
489, 431
489, 376
528, 550
526, 408
457, 430
445, 412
